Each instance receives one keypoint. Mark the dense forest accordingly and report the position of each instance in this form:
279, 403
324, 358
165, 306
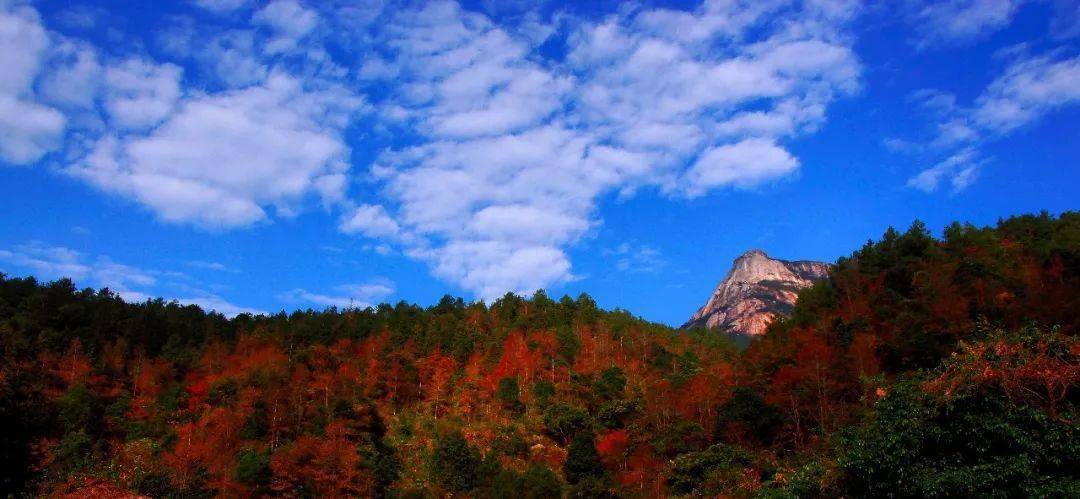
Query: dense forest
921, 367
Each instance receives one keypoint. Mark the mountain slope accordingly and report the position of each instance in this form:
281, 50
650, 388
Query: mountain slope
755, 291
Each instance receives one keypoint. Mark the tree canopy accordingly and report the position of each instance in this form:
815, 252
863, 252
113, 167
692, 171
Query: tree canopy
922, 366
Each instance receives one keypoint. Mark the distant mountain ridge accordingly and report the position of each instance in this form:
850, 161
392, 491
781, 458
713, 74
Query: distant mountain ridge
755, 291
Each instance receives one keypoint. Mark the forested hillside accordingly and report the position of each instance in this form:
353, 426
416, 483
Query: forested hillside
920, 367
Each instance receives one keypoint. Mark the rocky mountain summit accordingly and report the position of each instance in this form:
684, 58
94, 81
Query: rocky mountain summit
755, 291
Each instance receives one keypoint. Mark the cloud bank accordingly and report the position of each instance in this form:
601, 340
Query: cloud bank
485, 144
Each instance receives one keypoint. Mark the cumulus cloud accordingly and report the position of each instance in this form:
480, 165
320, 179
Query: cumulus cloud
234, 58
370, 220
221, 159
493, 268
501, 152
217, 156
290, 20
287, 16
743, 164
75, 80
141, 93
24, 42
659, 83
514, 152
267, 141
28, 129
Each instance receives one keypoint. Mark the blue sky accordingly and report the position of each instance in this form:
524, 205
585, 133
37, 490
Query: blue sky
254, 156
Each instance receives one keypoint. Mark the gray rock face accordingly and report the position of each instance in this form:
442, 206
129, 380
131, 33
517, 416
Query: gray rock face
755, 291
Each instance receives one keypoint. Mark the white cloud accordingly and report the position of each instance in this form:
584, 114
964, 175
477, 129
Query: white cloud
131, 283
220, 6
956, 21
505, 152
636, 259
55, 262
47, 262
220, 267
28, 130
956, 131
271, 139
743, 164
670, 77
370, 220
222, 158
75, 81
514, 152
960, 169
493, 268
362, 295
526, 224
220, 305
287, 16
24, 42
290, 20
140, 93
379, 249
1028, 89
234, 58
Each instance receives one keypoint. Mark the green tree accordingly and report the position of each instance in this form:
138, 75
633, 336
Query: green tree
969, 445
253, 468
508, 392
616, 413
539, 482
711, 472
455, 463
77, 408
611, 384
562, 422
543, 390
582, 460
569, 343
746, 413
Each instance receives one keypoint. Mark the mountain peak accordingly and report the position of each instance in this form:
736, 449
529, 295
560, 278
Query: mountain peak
756, 290
753, 255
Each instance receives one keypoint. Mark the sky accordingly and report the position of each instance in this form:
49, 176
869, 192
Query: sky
252, 156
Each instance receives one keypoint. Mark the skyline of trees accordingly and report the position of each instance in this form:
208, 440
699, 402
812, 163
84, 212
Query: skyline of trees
938, 344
